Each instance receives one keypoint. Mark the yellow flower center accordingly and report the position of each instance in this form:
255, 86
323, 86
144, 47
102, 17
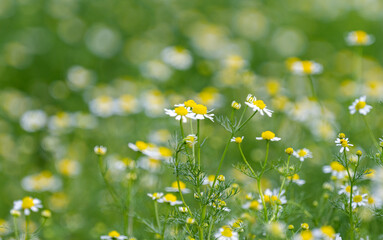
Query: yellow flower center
348, 189
361, 37
260, 104
114, 234
211, 178
141, 145
175, 185
238, 139
274, 198
360, 105
344, 142
237, 223
268, 135
190, 103
182, 111
328, 231
357, 198
302, 153
295, 177
371, 200
342, 135
266, 198
254, 204
165, 152
170, 197
307, 66
227, 232
154, 163
306, 235
200, 109
336, 166
27, 203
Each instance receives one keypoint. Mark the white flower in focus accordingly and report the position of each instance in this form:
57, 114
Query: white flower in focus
296, 179
170, 198
268, 136
34, 120
226, 233
359, 200
343, 143
258, 105
27, 204
336, 169
178, 113
360, 106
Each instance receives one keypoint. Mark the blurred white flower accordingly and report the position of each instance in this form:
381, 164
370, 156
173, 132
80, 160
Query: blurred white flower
34, 120
177, 57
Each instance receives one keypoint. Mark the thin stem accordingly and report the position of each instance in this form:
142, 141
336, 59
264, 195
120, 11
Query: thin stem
243, 114
243, 124
210, 228
198, 145
370, 132
244, 159
311, 81
157, 217
259, 180
26, 227
182, 129
130, 208
16, 228
108, 186
350, 207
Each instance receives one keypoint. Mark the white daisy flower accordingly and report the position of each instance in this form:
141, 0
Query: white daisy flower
306, 68
336, 169
170, 198
302, 154
200, 112
346, 189
156, 195
100, 150
272, 196
27, 204
34, 120
226, 233
191, 140
252, 205
183, 209
237, 139
343, 143
114, 235
359, 38
360, 106
258, 105
141, 146
269, 136
359, 200
174, 187
326, 233
295, 179
177, 57
209, 180
178, 113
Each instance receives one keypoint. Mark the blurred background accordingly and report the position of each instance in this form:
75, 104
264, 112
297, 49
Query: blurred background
80, 73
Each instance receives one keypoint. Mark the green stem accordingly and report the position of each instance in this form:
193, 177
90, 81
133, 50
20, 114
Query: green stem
244, 159
26, 227
243, 124
182, 129
259, 180
157, 217
198, 145
16, 228
350, 207
210, 228
311, 81
130, 208
243, 114
108, 186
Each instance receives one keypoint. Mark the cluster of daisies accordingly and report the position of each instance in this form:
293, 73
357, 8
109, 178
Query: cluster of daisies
190, 110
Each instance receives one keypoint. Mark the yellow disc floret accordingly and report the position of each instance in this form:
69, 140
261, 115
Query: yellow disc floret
227, 232
360, 105
307, 67
200, 109
190, 103
114, 234
27, 203
182, 111
260, 104
268, 135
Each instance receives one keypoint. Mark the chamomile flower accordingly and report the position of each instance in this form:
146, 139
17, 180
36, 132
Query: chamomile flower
346, 189
336, 169
183, 209
268, 136
343, 143
156, 195
174, 187
252, 205
209, 180
258, 105
302, 154
374, 201
34, 120
141, 146
306, 68
304, 235
226, 233
189, 104
171, 199
190, 220
179, 113
235, 105
359, 38
295, 179
326, 233
113, 235
274, 196
27, 204
237, 139
360, 106
177, 57
191, 140
200, 112
359, 200
100, 150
